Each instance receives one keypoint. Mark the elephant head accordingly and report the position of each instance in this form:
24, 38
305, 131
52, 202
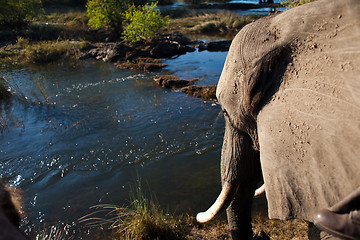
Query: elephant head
290, 94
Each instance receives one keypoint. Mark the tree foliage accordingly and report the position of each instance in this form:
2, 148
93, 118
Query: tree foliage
295, 3
106, 13
15, 12
143, 22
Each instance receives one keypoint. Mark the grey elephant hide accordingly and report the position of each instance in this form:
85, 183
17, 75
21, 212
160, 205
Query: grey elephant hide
308, 119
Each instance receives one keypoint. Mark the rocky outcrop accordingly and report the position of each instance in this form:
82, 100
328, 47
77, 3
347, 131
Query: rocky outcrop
203, 92
217, 46
165, 46
141, 64
147, 56
172, 81
108, 52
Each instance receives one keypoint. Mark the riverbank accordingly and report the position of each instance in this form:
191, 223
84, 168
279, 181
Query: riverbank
71, 166
65, 36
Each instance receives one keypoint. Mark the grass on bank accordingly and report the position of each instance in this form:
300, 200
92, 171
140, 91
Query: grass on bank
143, 219
26, 51
221, 23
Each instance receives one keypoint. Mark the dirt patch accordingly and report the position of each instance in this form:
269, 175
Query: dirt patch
203, 92
141, 64
172, 81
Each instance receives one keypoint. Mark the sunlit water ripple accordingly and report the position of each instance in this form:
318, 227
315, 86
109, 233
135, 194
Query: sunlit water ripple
105, 129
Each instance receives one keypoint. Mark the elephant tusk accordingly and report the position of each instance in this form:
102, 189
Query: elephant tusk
260, 191
222, 202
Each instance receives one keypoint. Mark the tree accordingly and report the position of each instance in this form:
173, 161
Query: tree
143, 22
15, 12
106, 13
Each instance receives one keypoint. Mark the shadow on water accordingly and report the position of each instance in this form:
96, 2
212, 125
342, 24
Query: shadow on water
104, 128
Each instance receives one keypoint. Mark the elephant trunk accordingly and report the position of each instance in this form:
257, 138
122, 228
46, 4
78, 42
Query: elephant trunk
239, 173
222, 202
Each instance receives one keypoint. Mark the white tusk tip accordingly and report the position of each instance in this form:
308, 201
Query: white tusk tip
200, 217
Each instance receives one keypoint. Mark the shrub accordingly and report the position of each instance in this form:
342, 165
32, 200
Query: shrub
294, 3
143, 22
106, 13
15, 12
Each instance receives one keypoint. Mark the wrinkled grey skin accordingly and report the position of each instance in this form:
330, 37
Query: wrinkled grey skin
290, 93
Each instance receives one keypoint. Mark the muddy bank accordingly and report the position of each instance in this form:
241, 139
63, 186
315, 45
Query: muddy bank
149, 57
207, 93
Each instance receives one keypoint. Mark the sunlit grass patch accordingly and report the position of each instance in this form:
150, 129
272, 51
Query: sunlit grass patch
50, 51
142, 219
25, 51
211, 22
53, 233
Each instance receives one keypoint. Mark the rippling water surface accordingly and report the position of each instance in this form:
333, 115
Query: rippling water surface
105, 129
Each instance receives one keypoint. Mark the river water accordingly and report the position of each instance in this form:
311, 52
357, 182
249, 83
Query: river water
105, 129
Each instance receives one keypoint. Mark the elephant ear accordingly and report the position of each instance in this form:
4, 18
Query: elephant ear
261, 82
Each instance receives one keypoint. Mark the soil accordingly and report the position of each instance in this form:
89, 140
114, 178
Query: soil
207, 93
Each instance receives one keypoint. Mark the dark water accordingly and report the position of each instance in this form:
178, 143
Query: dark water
106, 129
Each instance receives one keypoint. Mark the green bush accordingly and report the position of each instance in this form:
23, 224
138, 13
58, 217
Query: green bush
15, 12
294, 3
143, 22
106, 13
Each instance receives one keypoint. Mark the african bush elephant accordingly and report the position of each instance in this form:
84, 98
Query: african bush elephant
290, 93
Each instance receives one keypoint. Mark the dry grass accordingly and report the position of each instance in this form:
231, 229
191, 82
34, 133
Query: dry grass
25, 51
54, 233
50, 51
225, 22
281, 230
144, 219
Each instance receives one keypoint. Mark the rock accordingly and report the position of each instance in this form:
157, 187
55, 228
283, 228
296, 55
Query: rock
167, 49
203, 92
202, 47
136, 56
177, 37
141, 64
171, 81
108, 52
219, 46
